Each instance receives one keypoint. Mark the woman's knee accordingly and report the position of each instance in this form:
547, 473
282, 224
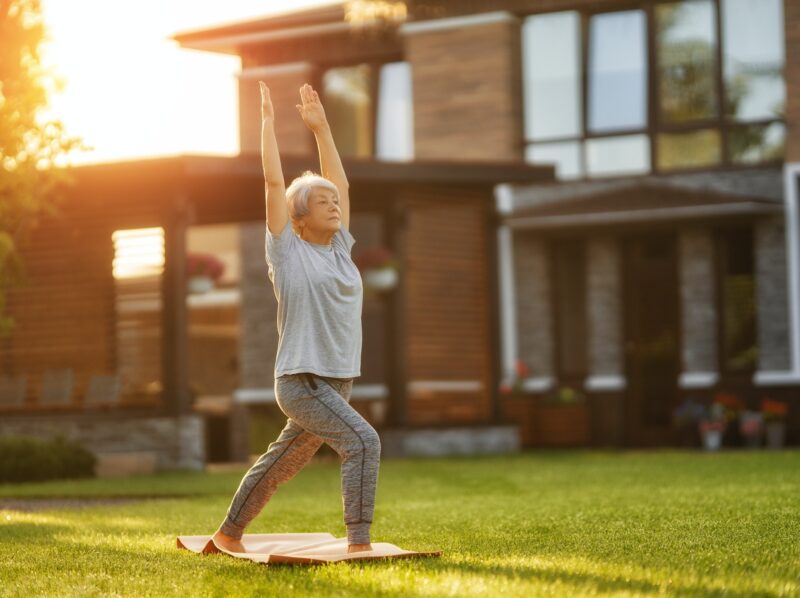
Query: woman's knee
365, 440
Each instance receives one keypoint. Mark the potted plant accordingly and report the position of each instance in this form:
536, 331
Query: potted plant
685, 419
712, 426
774, 413
514, 389
731, 407
519, 408
203, 270
378, 267
751, 427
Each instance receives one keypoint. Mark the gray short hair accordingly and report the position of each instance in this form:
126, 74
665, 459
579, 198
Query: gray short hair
299, 191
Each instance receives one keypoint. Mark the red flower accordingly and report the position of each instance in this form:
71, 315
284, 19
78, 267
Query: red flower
521, 369
773, 409
204, 264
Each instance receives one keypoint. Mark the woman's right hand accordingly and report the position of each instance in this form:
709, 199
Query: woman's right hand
267, 111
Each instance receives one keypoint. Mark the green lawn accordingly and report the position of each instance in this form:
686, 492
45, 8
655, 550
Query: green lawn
560, 523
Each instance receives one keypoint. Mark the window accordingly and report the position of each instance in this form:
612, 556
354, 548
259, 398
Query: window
714, 68
370, 111
739, 351
348, 107
569, 273
395, 118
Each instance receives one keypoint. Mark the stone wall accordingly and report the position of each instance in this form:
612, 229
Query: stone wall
604, 307
698, 307
179, 443
533, 304
773, 298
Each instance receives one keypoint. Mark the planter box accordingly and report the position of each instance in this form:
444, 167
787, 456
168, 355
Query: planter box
562, 425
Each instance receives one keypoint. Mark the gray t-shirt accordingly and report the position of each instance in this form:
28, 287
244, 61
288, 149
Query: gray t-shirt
320, 295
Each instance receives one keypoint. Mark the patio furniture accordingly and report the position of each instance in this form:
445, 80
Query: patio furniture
103, 389
57, 385
12, 390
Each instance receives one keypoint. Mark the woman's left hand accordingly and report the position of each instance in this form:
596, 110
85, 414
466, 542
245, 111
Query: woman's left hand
311, 110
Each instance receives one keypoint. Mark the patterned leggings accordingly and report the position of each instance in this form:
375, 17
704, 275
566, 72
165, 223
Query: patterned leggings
318, 410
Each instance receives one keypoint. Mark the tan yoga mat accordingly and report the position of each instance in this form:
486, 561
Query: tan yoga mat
302, 549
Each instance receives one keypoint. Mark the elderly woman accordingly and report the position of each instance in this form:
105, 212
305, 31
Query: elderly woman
320, 294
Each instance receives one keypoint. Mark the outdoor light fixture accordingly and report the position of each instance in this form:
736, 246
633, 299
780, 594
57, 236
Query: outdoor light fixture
366, 15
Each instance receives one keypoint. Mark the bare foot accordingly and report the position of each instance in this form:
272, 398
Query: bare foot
358, 547
228, 543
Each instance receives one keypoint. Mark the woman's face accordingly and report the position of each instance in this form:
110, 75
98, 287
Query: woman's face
324, 211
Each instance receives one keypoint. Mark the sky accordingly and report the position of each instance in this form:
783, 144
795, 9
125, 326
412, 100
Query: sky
132, 93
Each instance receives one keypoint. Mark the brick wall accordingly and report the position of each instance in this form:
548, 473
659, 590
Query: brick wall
604, 307
284, 82
258, 313
772, 299
467, 104
533, 304
698, 310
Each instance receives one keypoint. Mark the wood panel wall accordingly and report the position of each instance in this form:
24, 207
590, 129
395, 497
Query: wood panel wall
447, 308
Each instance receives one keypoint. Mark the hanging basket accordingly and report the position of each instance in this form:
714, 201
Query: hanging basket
380, 279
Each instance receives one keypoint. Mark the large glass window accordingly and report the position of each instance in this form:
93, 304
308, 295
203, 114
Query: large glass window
348, 107
704, 111
686, 47
395, 117
617, 71
551, 75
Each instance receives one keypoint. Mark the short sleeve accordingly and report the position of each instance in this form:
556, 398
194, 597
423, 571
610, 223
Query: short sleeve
343, 239
276, 246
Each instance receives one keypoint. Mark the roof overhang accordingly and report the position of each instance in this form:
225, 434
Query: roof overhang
635, 201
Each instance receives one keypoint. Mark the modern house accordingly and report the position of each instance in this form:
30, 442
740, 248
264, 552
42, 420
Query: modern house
603, 192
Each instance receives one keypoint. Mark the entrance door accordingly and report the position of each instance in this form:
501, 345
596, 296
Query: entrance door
651, 337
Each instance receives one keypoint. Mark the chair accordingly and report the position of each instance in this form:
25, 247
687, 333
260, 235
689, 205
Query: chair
57, 385
12, 390
103, 388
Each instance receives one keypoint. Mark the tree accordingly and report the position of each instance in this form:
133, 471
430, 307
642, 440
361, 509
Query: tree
31, 184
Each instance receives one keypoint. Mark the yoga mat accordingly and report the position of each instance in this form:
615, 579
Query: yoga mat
299, 548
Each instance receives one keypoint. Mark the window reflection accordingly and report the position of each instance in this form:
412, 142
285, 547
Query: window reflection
566, 156
749, 144
617, 71
348, 107
754, 57
551, 75
629, 154
686, 150
686, 45
395, 139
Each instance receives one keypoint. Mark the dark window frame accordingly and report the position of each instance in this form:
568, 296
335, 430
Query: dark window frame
721, 123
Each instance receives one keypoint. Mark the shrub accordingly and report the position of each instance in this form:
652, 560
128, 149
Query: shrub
24, 459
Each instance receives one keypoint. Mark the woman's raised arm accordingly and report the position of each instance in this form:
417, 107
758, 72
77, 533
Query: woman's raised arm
274, 185
329, 162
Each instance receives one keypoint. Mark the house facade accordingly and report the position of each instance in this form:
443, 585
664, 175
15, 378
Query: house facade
658, 266
602, 192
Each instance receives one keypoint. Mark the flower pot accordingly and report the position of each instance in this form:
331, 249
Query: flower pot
751, 428
562, 425
776, 434
380, 278
200, 284
712, 439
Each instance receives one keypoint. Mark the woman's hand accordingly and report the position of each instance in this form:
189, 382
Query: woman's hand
267, 111
311, 110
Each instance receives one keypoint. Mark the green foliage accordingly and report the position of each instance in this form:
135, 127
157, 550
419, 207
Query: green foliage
30, 181
24, 459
